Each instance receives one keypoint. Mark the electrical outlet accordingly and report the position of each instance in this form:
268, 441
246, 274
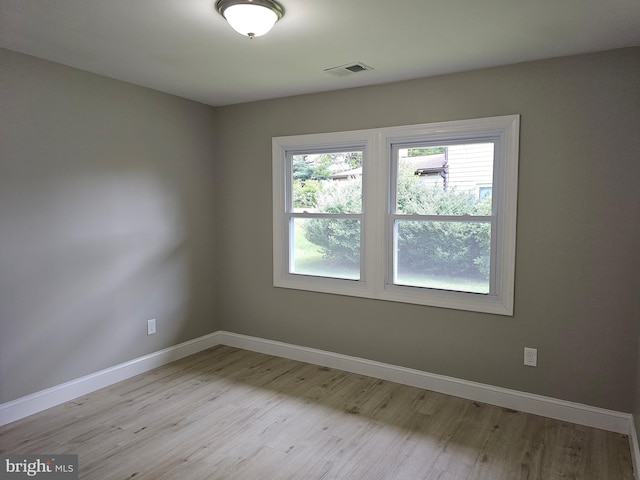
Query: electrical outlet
531, 357
151, 326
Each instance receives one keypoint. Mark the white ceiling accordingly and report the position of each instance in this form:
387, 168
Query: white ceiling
185, 47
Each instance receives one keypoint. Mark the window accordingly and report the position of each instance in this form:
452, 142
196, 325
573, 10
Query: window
441, 232
324, 212
484, 192
420, 214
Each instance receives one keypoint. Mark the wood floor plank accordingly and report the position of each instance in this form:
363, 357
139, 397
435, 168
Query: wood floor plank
227, 413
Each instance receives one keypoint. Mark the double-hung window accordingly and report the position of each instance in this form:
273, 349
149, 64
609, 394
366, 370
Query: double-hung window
324, 208
420, 214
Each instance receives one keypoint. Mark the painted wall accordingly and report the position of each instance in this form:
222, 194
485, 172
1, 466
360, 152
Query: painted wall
107, 219
118, 204
577, 264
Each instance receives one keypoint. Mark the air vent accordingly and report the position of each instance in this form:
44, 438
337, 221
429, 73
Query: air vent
348, 69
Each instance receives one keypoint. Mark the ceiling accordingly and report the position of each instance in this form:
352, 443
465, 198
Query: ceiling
184, 47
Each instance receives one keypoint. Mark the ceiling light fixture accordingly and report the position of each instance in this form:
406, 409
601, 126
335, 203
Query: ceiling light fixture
250, 17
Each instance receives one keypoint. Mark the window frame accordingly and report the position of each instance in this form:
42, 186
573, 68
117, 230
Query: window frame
376, 246
291, 215
284, 148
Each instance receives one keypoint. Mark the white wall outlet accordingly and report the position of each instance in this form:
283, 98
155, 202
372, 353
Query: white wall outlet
530, 357
151, 326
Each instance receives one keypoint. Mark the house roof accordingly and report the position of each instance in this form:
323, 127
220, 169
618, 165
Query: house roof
356, 172
428, 163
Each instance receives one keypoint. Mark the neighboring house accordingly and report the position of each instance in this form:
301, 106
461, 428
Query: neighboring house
465, 168
431, 169
347, 175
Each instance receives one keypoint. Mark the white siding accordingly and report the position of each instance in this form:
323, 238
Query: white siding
470, 167
432, 179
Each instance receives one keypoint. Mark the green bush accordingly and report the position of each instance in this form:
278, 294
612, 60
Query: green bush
337, 238
430, 247
305, 193
444, 248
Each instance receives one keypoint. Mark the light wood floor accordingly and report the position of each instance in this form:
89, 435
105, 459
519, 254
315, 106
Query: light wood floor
232, 414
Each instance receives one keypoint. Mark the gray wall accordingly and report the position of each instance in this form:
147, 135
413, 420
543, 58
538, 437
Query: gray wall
119, 204
106, 220
577, 264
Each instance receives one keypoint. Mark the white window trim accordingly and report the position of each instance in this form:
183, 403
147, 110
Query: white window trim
281, 276
375, 246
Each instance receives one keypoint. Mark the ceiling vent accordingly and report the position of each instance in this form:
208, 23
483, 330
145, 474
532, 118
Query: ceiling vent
348, 69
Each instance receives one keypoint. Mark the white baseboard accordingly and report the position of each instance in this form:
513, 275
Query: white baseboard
39, 401
525, 402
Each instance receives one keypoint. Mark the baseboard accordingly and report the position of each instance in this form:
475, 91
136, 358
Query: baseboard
39, 401
525, 402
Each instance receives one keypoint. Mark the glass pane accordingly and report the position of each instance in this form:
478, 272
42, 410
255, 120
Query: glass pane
326, 247
444, 255
446, 180
327, 182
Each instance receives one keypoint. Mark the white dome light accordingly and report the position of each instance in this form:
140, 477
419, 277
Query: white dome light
252, 18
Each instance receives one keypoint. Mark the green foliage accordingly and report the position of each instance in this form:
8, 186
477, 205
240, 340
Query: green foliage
338, 238
311, 175
305, 193
420, 151
322, 166
354, 159
444, 248
430, 247
301, 169
344, 196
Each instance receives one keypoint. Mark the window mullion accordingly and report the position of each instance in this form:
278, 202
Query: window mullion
323, 215
443, 218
